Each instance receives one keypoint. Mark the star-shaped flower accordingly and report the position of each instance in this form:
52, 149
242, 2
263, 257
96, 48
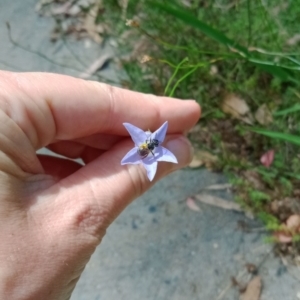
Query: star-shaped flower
148, 150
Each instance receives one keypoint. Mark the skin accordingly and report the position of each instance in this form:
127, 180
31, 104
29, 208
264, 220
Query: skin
54, 212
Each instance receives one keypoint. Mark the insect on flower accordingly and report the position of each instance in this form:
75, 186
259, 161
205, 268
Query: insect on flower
148, 150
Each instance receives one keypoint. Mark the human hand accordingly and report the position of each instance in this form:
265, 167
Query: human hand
53, 211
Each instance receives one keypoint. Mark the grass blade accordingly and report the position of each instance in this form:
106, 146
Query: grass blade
189, 19
218, 36
287, 111
294, 139
174, 74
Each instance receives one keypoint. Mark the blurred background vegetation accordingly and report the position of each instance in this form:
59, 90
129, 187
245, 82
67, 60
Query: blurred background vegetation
240, 60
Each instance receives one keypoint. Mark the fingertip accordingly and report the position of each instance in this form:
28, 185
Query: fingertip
196, 108
192, 111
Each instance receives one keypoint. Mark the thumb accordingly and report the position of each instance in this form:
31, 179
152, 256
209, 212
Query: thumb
104, 187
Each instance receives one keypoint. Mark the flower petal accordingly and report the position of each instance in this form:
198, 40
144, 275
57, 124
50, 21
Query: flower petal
137, 134
164, 154
160, 133
150, 168
132, 157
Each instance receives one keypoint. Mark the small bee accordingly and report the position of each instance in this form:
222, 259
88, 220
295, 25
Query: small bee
147, 147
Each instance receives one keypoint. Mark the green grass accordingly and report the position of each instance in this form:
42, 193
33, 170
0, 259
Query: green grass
209, 49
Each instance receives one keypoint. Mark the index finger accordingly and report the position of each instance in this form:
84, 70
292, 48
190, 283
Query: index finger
63, 107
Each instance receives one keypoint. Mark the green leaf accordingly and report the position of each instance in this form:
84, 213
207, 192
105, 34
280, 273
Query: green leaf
258, 196
269, 219
189, 19
294, 139
218, 36
292, 175
275, 71
287, 111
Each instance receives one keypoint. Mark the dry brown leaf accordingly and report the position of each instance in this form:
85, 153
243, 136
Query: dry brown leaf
95, 66
219, 202
90, 25
202, 157
62, 8
191, 204
223, 186
293, 222
263, 115
196, 163
283, 237
237, 108
289, 229
253, 289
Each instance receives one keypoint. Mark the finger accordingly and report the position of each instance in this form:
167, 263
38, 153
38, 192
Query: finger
59, 168
100, 140
73, 108
91, 154
75, 150
97, 141
103, 188
68, 149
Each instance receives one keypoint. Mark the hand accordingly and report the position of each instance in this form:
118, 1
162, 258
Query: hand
54, 211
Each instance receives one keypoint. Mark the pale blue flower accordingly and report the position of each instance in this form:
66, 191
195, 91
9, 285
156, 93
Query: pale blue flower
142, 139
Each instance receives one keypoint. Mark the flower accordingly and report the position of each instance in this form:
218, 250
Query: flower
148, 150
